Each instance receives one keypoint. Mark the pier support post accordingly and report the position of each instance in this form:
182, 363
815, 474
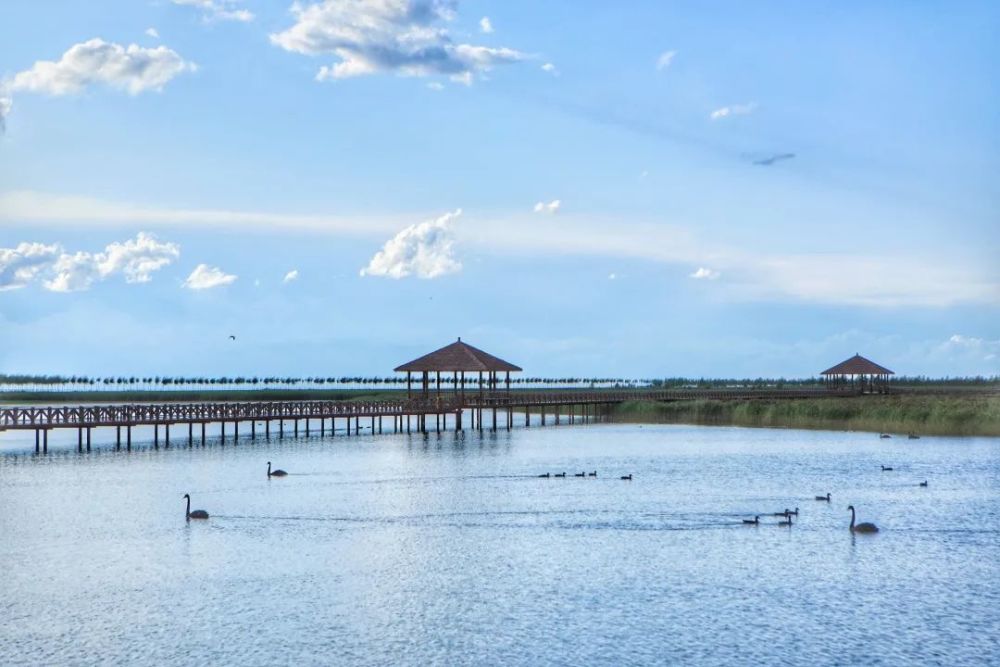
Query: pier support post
380, 424
253, 430
458, 420
203, 434
167, 436
118, 437
128, 437
322, 426
543, 415
45, 441
156, 436
37, 441
527, 416
236, 432
267, 429
494, 418
223, 424
281, 429
88, 439
79, 439
307, 427
190, 434
296, 427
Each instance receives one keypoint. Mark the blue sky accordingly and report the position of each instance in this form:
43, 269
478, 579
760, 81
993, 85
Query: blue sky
574, 186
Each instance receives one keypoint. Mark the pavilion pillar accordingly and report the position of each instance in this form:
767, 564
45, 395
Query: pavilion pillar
409, 393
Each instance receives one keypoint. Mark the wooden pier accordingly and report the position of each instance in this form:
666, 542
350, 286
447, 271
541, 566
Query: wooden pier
269, 418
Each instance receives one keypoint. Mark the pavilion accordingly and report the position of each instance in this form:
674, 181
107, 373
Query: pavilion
862, 373
458, 358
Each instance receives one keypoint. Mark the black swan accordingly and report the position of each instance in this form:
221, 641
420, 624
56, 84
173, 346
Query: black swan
546, 475
787, 521
628, 477
886, 469
923, 483
579, 474
861, 527
276, 473
826, 497
754, 522
197, 514
593, 474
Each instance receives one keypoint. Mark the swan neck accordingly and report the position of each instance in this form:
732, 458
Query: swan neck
852, 518
188, 511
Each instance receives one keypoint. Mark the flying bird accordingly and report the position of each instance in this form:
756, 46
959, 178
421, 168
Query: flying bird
771, 159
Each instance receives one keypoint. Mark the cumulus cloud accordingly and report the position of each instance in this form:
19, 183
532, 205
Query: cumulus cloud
733, 110
424, 250
208, 277
665, 59
135, 259
486, 25
5, 106
404, 37
153, 32
131, 68
705, 274
219, 10
550, 68
551, 207
291, 276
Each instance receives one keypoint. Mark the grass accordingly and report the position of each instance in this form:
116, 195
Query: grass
922, 414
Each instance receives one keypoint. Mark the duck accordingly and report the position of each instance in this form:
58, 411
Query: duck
923, 483
755, 521
277, 473
826, 497
861, 527
559, 474
627, 478
786, 522
546, 475
592, 474
886, 468
580, 474
196, 514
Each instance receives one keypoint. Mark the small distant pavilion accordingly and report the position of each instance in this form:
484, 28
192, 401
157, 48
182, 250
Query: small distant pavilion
458, 359
860, 373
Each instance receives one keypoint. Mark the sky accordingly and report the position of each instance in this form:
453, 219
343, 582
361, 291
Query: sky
648, 189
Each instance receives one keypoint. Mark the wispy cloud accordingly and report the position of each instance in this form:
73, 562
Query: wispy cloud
291, 276
665, 60
404, 37
486, 25
733, 110
152, 32
550, 68
552, 207
208, 277
425, 250
58, 271
704, 274
219, 10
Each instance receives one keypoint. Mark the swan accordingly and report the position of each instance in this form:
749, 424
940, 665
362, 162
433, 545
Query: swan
826, 497
795, 513
628, 477
787, 521
861, 527
886, 469
884, 435
546, 475
197, 514
754, 522
276, 473
580, 474
785, 513
593, 474
923, 483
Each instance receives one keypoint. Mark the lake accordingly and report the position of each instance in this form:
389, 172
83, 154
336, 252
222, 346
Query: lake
448, 549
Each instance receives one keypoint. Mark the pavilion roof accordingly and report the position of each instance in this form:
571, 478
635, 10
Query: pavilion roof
458, 356
857, 365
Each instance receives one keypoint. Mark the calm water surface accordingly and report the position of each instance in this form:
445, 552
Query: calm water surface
414, 550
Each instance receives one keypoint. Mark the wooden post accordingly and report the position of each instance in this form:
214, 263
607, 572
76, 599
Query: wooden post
223, 432
281, 429
79, 439
190, 434
494, 417
203, 434
37, 441
253, 429
322, 426
45, 441
527, 416
296, 422
167, 428
118, 437
236, 433
409, 392
307, 427
128, 437
267, 429
156, 436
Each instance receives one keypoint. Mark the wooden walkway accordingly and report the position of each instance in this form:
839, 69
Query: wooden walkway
406, 414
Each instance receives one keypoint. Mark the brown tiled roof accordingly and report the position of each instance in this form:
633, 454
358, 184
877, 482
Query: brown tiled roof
857, 365
458, 356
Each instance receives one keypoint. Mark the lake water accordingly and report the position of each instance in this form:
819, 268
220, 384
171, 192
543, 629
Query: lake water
417, 550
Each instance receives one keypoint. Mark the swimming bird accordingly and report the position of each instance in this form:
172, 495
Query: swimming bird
785, 513
197, 514
912, 436
826, 497
923, 483
580, 474
886, 469
795, 513
787, 521
593, 474
546, 475
748, 522
884, 435
628, 477
277, 473
559, 474
861, 527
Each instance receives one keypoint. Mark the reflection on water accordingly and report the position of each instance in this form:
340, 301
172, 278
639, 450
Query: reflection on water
451, 550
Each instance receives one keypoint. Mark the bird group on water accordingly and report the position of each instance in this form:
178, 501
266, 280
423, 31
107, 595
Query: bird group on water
202, 514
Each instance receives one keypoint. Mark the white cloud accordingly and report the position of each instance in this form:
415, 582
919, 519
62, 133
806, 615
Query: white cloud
404, 37
665, 60
152, 32
551, 207
134, 69
704, 274
423, 250
435, 85
550, 68
208, 277
219, 10
291, 276
612, 276
733, 110
6, 104
486, 25
136, 259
